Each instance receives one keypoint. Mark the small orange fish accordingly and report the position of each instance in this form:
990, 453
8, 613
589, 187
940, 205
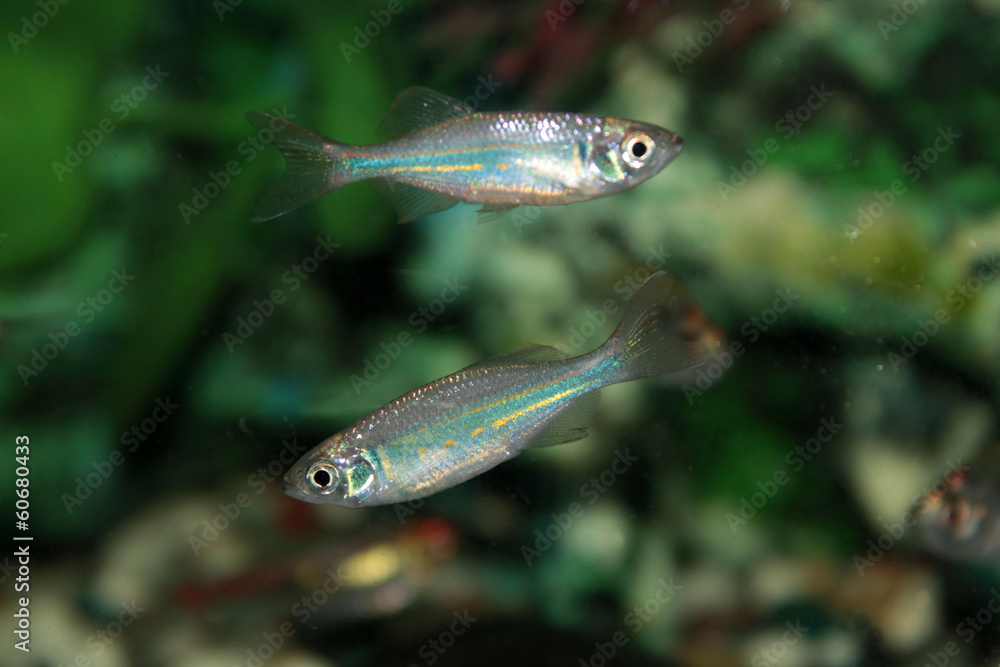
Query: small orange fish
962, 519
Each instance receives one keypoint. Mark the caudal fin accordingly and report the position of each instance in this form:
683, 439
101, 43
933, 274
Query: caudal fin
312, 166
663, 333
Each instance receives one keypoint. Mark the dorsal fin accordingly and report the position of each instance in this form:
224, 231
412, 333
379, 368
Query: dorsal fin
573, 423
416, 108
526, 354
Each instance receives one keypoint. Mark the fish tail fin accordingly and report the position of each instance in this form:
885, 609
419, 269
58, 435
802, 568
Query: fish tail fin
314, 166
663, 333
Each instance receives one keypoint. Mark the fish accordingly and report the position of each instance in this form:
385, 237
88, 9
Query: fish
960, 518
360, 569
440, 151
462, 425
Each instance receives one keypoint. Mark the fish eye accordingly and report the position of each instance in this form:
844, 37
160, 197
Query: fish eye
637, 150
323, 477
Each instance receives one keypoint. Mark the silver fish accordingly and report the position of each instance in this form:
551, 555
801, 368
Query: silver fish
457, 427
441, 152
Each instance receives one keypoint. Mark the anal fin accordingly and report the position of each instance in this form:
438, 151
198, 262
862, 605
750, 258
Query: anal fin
411, 202
571, 424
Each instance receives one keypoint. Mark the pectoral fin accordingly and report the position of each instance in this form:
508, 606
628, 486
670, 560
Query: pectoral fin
491, 212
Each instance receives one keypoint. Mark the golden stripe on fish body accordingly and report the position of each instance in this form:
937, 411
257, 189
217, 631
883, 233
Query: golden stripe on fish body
542, 403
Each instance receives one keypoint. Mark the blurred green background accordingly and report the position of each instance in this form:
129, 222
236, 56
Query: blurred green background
835, 210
